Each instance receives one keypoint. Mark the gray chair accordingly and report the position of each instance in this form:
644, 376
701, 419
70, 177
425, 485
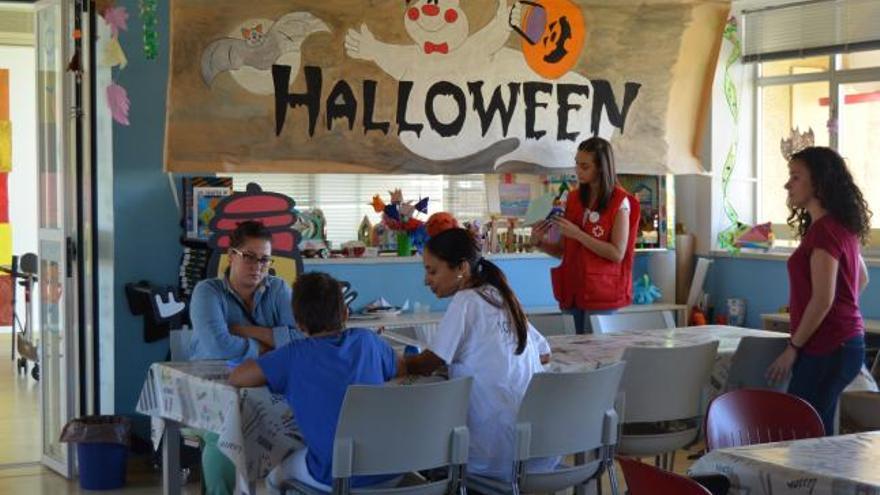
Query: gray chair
400, 429
636, 320
663, 395
179, 344
748, 366
563, 414
552, 323
860, 410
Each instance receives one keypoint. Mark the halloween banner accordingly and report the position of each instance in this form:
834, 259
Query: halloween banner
437, 86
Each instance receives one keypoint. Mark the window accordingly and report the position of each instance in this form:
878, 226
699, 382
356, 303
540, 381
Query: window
346, 198
801, 95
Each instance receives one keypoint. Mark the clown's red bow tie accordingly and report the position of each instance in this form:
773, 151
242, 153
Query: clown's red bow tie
431, 47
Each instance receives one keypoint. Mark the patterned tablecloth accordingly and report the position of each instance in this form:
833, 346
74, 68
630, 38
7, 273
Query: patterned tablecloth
577, 352
256, 428
844, 465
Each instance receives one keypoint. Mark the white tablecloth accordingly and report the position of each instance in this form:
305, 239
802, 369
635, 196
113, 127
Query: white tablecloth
842, 465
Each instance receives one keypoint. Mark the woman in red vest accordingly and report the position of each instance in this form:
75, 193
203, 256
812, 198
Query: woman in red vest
598, 233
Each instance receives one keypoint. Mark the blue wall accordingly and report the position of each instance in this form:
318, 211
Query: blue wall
764, 286
146, 228
398, 282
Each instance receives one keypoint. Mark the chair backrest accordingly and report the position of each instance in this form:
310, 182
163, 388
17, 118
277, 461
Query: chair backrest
637, 320
179, 344
751, 416
567, 413
553, 323
386, 429
645, 479
748, 366
666, 383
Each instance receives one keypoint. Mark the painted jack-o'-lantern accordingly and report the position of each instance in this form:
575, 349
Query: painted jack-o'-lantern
553, 49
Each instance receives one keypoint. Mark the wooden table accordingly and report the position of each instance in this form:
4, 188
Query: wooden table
845, 465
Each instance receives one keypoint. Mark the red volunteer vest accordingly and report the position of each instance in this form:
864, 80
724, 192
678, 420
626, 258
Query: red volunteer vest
585, 280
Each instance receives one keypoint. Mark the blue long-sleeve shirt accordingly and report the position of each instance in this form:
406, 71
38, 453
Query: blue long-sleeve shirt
214, 307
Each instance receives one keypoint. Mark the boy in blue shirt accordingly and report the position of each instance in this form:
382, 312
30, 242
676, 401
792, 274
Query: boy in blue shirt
314, 373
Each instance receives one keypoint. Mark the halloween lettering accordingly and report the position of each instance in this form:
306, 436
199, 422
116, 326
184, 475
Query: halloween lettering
473, 101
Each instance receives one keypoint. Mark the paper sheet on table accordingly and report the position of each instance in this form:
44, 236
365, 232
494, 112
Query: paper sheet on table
539, 208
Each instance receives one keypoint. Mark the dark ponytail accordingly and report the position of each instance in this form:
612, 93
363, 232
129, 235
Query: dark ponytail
457, 245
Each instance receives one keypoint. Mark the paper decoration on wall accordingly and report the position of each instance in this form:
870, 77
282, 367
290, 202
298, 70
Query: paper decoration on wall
514, 199
757, 237
275, 212
151, 37
113, 54
437, 86
117, 19
5, 244
117, 99
103, 5
796, 141
726, 237
5, 145
4, 198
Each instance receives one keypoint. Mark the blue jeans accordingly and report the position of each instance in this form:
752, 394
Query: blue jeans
819, 380
582, 318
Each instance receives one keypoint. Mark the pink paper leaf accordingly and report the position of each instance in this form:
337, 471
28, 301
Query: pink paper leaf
117, 100
117, 19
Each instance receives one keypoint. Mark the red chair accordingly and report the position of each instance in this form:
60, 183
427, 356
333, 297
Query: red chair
752, 416
645, 479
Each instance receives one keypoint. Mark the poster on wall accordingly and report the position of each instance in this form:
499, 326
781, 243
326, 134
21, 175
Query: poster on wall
6, 286
436, 86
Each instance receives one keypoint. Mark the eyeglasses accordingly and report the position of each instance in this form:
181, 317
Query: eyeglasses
252, 259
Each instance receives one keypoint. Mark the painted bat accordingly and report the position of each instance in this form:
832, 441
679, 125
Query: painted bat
260, 47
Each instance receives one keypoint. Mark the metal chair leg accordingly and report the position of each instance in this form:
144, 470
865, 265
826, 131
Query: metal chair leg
612, 478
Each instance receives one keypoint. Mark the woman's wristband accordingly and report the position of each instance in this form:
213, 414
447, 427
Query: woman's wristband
797, 348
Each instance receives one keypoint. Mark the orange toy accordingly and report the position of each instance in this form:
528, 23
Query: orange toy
440, 221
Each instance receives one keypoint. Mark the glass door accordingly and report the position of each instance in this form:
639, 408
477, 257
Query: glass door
57, 271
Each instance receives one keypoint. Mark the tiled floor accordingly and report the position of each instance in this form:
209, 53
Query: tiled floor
19, 411
143, 479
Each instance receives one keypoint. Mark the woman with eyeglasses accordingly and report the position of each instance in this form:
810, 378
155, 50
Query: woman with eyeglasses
598, 231
236, 316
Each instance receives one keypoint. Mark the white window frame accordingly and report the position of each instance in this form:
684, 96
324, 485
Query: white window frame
835, 77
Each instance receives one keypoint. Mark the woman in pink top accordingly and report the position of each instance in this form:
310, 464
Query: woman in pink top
826, 274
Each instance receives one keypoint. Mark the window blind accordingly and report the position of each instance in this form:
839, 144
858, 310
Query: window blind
810, 28
346, 198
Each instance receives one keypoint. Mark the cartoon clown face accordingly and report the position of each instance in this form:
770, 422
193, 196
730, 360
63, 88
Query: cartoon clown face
437, 26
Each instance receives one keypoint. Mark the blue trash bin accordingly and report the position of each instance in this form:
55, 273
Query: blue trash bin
101, 450
101, 465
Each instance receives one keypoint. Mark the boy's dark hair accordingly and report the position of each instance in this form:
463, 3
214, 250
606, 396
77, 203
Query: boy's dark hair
318, 305
249, 229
